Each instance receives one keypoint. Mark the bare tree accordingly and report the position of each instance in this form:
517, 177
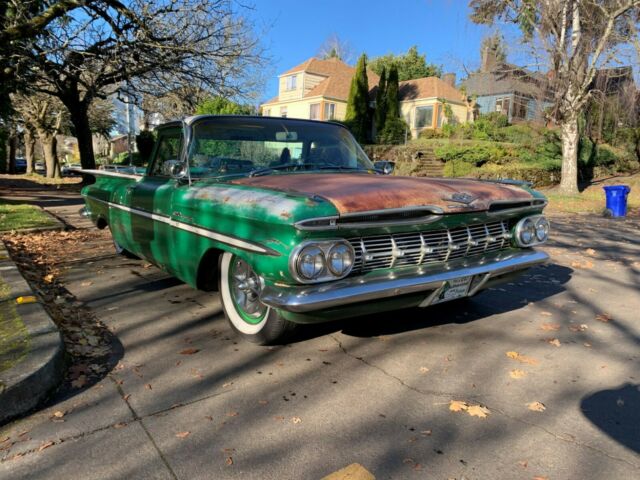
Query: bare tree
144, 48
335, 47
577, 37
46, 116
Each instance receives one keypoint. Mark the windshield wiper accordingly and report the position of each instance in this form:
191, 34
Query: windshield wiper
264, 170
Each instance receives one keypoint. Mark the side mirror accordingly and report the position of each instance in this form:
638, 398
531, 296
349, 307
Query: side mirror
384, 166
174, 168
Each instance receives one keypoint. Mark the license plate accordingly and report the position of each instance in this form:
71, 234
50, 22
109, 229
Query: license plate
456, 288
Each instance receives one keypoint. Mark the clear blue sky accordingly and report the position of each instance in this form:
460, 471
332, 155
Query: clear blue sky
295, 29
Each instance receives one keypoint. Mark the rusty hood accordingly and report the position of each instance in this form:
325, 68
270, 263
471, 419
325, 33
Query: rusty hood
354, 193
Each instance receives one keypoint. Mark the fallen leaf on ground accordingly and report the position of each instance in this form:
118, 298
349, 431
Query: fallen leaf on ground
46, 445
148, 386
603, 317
296, 420
232, 414
554, 341
590, 251
189, 351
424, 369
578, 328
478, 411
58, 414
586, 264
550, 327
229, 461
523, 463
183, 434
79, 382
457, 405
521, 358
546, 314
538, 477
48, 278
536, 406
517, 373
86, 284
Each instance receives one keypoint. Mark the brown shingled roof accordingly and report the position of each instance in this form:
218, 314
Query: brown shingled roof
428, 87
326, 67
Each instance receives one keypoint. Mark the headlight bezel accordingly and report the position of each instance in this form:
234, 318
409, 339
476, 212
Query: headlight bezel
531, 225
325, 247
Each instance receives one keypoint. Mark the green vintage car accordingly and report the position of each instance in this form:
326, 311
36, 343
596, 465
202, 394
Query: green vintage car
292, 223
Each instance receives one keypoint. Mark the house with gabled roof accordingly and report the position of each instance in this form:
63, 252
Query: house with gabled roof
316, 89
319, 89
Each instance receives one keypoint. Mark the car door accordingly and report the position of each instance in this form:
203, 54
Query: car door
150, 199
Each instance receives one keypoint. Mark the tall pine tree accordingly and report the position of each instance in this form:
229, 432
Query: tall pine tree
394, 128
381, 101
357, 116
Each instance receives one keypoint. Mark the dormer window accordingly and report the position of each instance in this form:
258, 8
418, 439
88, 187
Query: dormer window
292, 82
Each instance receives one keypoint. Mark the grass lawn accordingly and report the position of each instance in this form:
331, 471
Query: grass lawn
18, 217
14, 337
592, 199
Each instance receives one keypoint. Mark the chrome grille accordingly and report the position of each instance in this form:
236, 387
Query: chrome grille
429, 247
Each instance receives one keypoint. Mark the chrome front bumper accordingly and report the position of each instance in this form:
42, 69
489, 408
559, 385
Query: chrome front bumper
378, 286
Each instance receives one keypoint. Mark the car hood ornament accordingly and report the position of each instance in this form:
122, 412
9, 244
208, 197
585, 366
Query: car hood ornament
462, 197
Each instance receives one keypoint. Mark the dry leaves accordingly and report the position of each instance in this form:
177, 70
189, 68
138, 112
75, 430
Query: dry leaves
550, 327
522, 358
517, 373
229, 461
424, 370
554, 341
472, 410
183, 434
189, 351
579, 264
546, 314
603, 317
590, 251
578, 328
46, 445
296, 420
536, 407
79, 382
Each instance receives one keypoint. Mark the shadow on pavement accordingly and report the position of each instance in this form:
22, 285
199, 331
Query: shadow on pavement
617, 413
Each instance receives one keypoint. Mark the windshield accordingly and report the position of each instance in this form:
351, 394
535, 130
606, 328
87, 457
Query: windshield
244, 145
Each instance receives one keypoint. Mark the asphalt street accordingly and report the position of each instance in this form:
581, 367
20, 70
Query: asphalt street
188, 400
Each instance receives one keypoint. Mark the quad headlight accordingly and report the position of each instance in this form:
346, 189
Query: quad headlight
531, 231
321, 261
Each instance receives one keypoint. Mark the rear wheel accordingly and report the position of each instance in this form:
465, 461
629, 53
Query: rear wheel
239, 287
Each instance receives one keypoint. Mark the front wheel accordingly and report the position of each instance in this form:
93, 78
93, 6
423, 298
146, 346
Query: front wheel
239, 287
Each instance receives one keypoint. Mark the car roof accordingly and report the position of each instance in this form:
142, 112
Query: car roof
192, 119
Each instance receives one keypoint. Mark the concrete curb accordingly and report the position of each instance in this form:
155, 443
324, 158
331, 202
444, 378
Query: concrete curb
29, 381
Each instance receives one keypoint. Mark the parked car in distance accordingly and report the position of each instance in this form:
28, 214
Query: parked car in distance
293, 224
21, 165
71, 169
39, 167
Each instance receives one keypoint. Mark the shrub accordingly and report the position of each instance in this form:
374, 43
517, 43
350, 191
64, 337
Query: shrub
394, 131
432, 133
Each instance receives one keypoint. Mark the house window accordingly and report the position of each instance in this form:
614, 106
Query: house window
424, 117
292, 82
329, 111
283, 112
502, 105
520, 107
314, 111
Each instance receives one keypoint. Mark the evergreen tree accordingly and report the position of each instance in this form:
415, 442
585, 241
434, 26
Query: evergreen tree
394, 128
357, 116
381, 101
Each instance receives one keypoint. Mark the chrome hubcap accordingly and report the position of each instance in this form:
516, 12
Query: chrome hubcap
245, 288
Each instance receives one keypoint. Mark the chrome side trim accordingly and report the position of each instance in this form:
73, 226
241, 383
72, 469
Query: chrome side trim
203, 232
376, 286
535, 203
106, 173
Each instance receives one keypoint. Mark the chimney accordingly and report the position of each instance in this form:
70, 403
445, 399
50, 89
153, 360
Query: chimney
488, 59
449, 79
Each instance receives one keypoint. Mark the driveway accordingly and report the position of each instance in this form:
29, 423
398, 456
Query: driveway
535, 379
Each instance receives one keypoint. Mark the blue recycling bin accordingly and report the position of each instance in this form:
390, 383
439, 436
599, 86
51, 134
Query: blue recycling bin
617, 199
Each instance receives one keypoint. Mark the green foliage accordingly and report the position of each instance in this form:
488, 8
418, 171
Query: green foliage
357, 116
474, 153
380, 114
145, 141
123, 159
394, 131
410, 65
391, 105
222, 106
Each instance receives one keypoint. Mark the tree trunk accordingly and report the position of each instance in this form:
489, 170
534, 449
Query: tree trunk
29, 147
569, 180
49, 146
12, 144
80, 120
